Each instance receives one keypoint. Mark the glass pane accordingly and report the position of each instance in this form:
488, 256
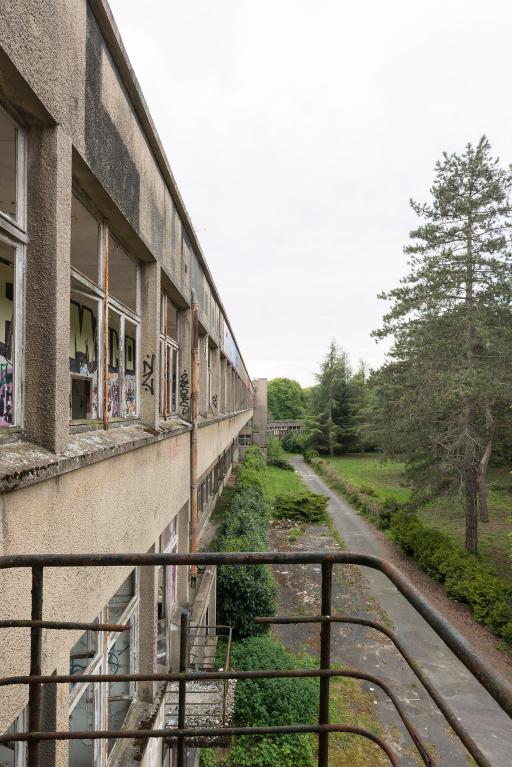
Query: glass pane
7, 337
121, 599
7, 166
172, 321
83, 357
130, 370
85, 234
174, 380
114, 380
81, 752
122, 275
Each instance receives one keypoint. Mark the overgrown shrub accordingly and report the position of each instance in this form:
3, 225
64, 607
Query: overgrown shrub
302, 506
294, 442
464, 577
254, 459
266, 702
311, 453
245, 591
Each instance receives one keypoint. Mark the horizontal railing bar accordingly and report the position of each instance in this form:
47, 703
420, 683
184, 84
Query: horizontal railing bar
203, 733
64, 625
188, 676
450, 717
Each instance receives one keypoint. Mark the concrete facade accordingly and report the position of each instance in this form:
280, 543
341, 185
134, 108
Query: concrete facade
99, 260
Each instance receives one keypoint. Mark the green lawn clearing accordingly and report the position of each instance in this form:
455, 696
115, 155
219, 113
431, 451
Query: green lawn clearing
444, 514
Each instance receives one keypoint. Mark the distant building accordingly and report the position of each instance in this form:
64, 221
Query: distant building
281, 429
255, 431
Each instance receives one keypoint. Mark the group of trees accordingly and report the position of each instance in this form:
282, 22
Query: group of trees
442, 401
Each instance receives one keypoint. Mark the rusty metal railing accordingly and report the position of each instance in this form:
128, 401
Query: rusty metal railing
498, 688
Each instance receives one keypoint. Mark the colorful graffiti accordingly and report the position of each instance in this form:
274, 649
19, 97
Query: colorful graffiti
230, 348
6, 390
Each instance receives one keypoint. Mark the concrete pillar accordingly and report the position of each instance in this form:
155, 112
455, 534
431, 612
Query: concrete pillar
148, 628
150, 345
222, 387
47, 288
216, 379
203, 376
183, 548
259, 429
185, 339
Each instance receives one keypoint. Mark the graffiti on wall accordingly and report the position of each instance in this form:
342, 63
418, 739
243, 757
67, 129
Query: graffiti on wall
83, 361
230, 348
184, 393
147, 374
130, 378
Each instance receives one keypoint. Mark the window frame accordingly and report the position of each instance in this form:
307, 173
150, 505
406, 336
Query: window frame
168, 346
13, 232
117, 307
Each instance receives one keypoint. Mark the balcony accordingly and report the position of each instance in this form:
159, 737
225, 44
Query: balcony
184, 727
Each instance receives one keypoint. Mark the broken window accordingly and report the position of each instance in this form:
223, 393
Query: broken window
12, 255
122, 652
86, 364
12, 170
167, 592
15, 754
87, 700
169, 356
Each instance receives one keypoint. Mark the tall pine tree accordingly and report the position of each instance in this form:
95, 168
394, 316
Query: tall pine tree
449, 375
329, 421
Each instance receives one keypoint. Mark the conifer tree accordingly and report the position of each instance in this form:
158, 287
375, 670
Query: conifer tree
449, 375
329, 407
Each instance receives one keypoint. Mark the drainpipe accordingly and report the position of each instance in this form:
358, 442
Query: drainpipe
105, 325
194, 410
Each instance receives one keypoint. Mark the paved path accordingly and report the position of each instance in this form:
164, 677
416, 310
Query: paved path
489, 725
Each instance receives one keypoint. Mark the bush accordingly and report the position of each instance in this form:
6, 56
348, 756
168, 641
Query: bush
254, 458
246, 591
311, 453
302, 506
266, 702
464, 577
294, 442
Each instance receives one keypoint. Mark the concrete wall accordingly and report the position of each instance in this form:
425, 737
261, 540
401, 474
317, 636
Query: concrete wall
259, 433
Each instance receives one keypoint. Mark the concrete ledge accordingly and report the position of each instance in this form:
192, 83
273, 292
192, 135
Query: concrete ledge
24, 463
224, 417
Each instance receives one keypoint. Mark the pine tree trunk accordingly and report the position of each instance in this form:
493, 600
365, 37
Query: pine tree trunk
482, 498
470, 490
482, 466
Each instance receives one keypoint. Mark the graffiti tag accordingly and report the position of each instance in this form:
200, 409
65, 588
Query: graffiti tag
184, 393
147, 374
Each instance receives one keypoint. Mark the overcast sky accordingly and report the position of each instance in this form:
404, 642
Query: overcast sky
297, 132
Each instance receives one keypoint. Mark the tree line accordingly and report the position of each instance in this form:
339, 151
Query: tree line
442, 401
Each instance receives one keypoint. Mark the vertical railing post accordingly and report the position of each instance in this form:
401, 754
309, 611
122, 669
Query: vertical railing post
325, 663
35, 688
182, 685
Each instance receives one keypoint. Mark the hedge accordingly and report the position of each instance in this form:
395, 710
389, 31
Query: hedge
301, 506
269, 702
246, 591
462, 574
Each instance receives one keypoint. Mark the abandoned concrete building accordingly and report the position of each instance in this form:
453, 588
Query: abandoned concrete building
104, 297
281, 429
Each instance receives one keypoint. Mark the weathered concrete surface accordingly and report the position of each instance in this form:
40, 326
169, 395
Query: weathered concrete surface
489, 725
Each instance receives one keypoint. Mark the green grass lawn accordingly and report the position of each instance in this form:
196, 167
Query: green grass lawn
278, 481
444, 514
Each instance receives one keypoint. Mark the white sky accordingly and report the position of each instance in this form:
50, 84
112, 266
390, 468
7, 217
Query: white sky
297, 132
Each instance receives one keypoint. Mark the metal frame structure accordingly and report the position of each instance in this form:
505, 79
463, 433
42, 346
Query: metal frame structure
498, 688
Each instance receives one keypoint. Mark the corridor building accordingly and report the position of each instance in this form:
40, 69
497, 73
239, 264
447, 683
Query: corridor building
99, 267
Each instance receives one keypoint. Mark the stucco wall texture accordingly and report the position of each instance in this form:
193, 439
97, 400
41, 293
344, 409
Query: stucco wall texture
122, 505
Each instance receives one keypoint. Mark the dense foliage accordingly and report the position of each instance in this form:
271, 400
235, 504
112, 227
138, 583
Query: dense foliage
464, 577
276, 455
266, 702
285, 400
301, 507
246, 591
445, 394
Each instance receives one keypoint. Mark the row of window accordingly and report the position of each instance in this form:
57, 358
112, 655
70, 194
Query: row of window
105, 311
209, 487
